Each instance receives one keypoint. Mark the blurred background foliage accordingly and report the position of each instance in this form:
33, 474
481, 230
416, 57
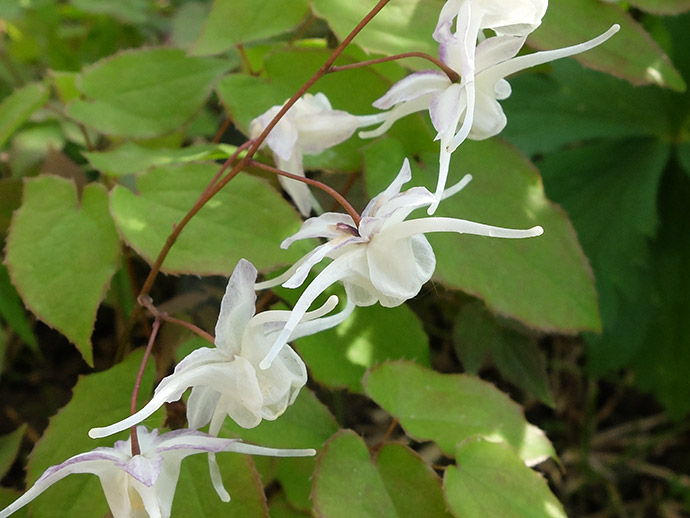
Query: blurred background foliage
109, 128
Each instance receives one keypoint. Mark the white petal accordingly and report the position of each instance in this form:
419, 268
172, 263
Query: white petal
450, 191
490, 118
538, 58
324, 226
324, 130
403, 176
328, 276
314, 326
236, 308
97, 462
251, 449
283, 137
425, 225
412, 87
398, 112
191, 371
447, 107
298, 191
201, 405
400, 268
317, 255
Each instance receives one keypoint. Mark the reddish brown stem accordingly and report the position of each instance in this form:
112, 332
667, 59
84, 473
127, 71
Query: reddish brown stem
330, 190
223, 128
253, 148
452, 74
146, 301
136, 450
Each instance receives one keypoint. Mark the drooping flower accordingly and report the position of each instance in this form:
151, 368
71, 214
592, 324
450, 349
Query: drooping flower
384, 259
143, 485
226, 380
310, 126
469, 109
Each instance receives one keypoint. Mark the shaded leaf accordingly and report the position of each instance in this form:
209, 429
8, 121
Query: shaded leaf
624, 175
246, 219
491, 480
662, 6
12, 310
450, 408
19, 106
237, 21
339, 357
120, 91
62, 274
9, 448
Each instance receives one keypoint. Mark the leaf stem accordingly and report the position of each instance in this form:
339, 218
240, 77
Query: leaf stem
330, 190
146, 301
452, 74
136, 450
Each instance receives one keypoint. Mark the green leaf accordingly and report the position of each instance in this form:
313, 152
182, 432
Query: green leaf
307, 423
516, 355
12, 310
572, 103
490, 479
450, 408
663, 363
131, 11
543, 282
98, 399
195, 495
131, 158
347, 484
10, 200
19, 106
662, 6
631, 54
412, 485
339, 357
61, 254
144, 93
401, 26
238, 21
246, 219
281, 508
623, 176
9, 448
683, 152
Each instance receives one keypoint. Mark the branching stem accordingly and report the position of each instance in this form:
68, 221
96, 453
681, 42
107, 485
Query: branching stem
136, 450
452, 74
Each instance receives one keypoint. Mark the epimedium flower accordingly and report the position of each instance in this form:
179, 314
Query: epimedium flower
310, 126
469, 109
382, 259
143, 485
226, 380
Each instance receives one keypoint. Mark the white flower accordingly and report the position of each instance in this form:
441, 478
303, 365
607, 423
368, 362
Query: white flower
383, 259
226, 380
468, 109
310, 126
140, 486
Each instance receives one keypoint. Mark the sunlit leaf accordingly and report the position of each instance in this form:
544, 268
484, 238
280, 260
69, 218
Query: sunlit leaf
237, 21
16, 108
339, 357
490, 479
247, 219
9, 448
120, 91
450, 408
61, 254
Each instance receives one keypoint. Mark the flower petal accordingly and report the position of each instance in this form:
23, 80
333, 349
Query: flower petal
236, 308
298, 191
320, 131
413, 86
398, 112
324, 226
